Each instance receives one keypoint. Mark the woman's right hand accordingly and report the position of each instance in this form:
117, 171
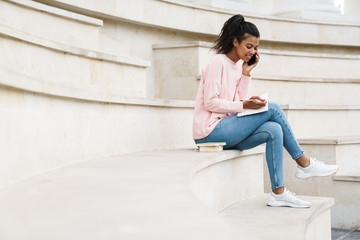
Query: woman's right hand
254, 102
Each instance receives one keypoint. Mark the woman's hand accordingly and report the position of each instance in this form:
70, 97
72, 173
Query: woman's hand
254, 102
246, 69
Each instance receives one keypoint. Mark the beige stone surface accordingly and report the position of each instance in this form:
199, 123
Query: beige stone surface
308, 63
180, 15
221, 184
306, 90
51, 23
318, 228
346, 211
41, 132
282, 223
352, 7
79, 72
145, 195
177, 67
138, 196
323, 121
352, 176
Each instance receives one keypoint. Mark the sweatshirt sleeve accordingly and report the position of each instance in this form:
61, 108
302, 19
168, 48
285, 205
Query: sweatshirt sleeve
212, 77
242, 88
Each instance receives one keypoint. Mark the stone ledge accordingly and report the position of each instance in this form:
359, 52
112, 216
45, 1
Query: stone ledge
308, 54
299, 107
60, 47
253, 214
349, 177
183, 45
331, 140
215, 16
299, 79
57, 12
212, 159
278, 52
279, 18
30, 84
145, 195
302, 79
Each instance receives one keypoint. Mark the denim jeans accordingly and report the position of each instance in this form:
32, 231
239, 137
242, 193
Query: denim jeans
270, 127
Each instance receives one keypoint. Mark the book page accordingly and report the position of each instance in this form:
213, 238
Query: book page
255, 111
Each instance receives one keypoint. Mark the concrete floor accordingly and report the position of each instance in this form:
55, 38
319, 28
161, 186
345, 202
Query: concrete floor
341, 234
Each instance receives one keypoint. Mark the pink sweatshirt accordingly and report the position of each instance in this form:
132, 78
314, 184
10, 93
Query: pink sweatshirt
221, 88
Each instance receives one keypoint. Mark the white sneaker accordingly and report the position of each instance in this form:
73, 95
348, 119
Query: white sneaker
315, 169
287, 199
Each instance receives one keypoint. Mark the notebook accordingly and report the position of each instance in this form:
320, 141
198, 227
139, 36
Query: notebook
211, 146
256, 111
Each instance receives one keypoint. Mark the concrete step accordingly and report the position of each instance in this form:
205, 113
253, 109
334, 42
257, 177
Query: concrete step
59, 66
346, 212
344, 186
178, 67
259, 221
57, 128
343, 151
219, 184
348, 177
51, 23
309, 64
306, 90
145, 195
184, 16
323, 121
180, 64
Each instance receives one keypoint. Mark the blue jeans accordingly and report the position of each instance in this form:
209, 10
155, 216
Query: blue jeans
270, 127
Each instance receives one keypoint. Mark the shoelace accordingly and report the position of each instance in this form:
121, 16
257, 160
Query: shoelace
290, 193
317, 161
292, 196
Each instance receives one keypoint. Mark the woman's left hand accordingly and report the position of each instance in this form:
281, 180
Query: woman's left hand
246, 69
255, 102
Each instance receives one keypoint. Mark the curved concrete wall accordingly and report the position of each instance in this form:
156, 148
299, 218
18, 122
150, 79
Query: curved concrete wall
63, 102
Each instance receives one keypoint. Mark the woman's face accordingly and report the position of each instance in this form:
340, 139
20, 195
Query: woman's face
246, 48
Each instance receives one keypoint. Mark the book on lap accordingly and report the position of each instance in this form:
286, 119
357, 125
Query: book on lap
247, 112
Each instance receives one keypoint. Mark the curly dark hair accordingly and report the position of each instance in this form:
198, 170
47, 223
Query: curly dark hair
234, 27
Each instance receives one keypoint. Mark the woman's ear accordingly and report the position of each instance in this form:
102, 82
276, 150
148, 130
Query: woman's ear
235, 42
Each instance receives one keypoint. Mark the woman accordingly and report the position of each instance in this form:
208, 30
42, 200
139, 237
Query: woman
222, 93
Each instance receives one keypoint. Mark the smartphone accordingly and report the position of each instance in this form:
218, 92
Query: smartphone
252, 60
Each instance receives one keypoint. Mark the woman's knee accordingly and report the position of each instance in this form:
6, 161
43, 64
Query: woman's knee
274, 129
275, 105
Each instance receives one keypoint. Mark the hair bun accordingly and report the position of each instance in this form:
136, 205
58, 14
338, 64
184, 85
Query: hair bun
234, 27
239, 17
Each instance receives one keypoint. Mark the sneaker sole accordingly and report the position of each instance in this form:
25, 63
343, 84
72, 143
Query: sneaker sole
307, 175
286, 204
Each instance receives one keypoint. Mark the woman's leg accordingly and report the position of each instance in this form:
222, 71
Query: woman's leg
249, 131
270, 133
234, 130
290, 142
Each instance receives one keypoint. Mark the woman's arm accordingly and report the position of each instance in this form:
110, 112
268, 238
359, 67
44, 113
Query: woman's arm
254, 102
212, 89
213, 103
